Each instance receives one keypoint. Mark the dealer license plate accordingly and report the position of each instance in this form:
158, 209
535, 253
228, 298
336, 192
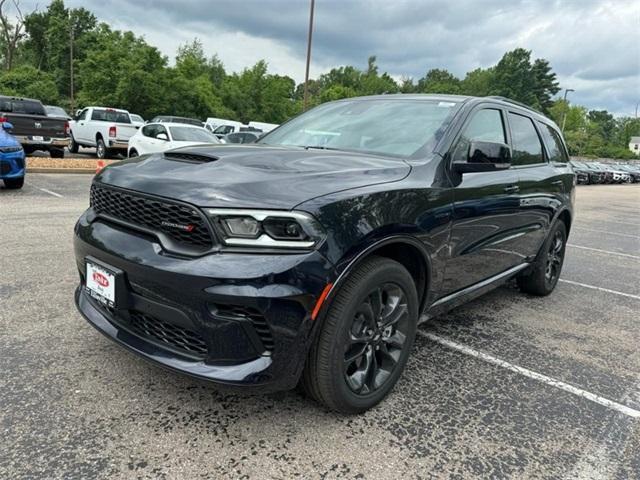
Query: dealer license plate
101, 284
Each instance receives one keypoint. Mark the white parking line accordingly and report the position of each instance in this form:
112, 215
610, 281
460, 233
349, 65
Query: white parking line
571, 282
45, 190
608, 233
603, 251
605, 402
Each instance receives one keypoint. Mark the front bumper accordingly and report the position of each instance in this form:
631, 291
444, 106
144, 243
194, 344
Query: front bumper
12, 165
43, 144
249, 312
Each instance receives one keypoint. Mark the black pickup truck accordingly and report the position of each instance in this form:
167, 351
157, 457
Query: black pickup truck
32, 127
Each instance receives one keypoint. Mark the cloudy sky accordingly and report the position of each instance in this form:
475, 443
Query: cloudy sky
593, 46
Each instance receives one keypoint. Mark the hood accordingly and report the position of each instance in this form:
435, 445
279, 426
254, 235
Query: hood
251, 176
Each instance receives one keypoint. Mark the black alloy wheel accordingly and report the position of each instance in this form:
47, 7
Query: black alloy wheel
555, 256
543, 275
377, 337
365, 337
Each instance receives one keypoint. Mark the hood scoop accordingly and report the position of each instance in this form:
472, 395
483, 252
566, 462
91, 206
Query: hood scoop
189, 157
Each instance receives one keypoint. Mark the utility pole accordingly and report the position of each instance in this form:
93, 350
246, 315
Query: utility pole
306, 75
72, 102
566, 107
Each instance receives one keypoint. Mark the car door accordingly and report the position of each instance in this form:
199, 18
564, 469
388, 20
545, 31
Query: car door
545, 180
541, 182
156, 144
80, 127
485, 209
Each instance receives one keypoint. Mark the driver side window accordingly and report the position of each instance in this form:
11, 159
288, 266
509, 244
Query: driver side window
486, 125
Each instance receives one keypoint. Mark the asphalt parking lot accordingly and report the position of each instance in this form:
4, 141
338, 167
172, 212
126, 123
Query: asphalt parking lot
508, 386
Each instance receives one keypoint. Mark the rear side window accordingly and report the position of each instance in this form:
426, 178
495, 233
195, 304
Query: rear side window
486, 126
555, 147
527, 149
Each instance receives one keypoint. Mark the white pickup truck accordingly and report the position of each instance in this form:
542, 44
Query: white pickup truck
106, 129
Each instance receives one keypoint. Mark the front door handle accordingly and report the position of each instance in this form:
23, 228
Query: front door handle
512, 189
558, 182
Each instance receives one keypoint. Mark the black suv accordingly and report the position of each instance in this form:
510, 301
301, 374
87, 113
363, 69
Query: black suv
309, 256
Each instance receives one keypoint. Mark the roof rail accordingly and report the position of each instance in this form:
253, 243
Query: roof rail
515, 102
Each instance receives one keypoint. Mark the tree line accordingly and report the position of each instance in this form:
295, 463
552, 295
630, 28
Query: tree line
119, 69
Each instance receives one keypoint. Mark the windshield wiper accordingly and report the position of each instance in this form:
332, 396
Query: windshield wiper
320, 147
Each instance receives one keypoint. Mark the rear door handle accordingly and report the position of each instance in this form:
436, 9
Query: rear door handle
512, 189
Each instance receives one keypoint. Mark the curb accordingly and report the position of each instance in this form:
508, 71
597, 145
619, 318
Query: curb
61, 170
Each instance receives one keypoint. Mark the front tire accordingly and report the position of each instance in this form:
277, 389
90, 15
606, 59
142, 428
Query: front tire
133, 153
543, 276
14, 183
366, 338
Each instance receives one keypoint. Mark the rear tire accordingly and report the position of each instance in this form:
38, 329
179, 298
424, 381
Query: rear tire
543, 276
101, 149
57, 152
73, 146
365, 340
14, 183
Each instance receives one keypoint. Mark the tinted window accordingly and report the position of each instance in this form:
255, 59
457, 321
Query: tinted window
27, 107
190, 134
224, 129
136, 118
234, 138
395, 127
110, 116
526, 143
554, 144
149, 130
485, 125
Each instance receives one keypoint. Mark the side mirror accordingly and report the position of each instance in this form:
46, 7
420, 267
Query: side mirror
7, 125
162, 136
485, 157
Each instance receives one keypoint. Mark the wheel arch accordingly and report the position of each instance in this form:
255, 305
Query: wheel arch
405, 250
565, 216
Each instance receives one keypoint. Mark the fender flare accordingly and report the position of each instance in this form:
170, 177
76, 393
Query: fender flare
359, 257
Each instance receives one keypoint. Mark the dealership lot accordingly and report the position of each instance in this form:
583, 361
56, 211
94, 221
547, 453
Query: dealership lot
507, 386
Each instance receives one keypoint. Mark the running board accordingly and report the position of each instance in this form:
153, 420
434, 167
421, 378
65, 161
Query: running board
479, 286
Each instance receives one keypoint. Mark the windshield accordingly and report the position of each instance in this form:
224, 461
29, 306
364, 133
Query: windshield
189, 134
397, 127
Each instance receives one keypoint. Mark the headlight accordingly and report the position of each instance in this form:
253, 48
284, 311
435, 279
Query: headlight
11, 149
266, 228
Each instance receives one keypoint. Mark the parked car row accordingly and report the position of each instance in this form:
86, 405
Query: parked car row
588, 173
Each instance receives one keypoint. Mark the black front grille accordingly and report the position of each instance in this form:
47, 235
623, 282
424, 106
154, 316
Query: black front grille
258, 321
179, 338
181, 223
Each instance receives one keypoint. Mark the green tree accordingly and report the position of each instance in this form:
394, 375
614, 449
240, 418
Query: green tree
477, 82
517, 78
438, 81
28, 81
